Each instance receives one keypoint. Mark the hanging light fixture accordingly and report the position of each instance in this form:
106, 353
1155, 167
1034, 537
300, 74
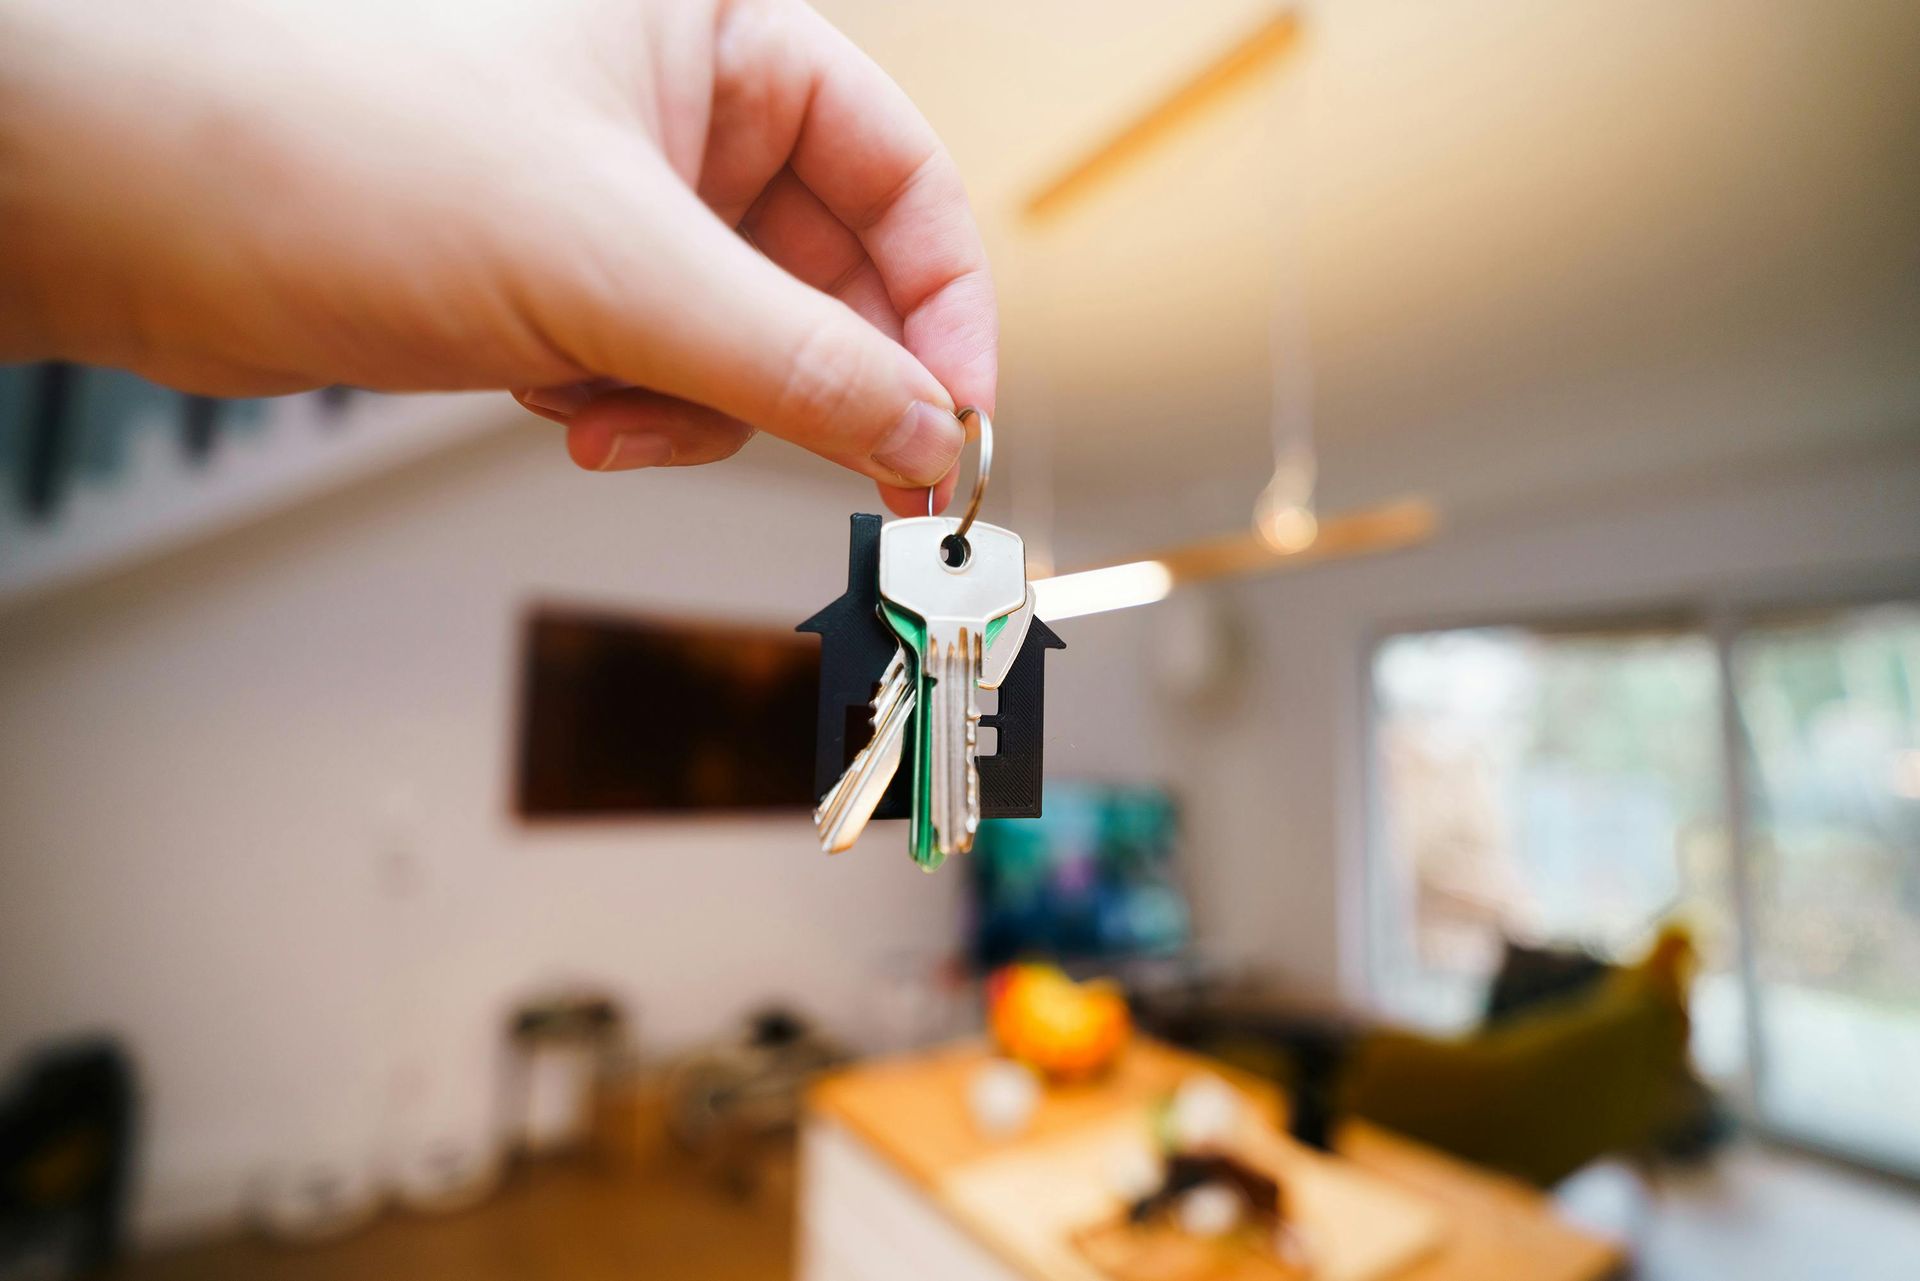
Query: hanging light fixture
1287, 531
1283, 514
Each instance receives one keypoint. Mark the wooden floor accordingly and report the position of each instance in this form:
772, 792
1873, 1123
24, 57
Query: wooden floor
551, 1223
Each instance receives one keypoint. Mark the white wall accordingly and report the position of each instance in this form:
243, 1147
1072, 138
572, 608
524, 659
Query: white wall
254, 808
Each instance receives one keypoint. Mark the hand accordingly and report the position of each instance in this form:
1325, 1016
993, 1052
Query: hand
664, 222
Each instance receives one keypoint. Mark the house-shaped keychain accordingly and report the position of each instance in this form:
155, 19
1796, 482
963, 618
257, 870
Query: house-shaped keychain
855, 647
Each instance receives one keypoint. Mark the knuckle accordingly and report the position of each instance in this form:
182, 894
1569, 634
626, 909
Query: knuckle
820, 383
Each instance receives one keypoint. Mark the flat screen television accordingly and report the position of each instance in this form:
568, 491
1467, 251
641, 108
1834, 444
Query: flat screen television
628, 716
1092, 880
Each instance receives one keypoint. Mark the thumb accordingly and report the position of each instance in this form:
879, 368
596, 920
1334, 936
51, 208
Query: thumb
716, 323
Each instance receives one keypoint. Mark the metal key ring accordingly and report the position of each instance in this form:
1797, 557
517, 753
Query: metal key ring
980, 476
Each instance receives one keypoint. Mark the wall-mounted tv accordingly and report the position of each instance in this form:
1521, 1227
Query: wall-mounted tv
1093, 879
634, 716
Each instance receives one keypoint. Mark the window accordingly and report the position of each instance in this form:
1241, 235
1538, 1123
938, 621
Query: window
1831, 709
1573, 787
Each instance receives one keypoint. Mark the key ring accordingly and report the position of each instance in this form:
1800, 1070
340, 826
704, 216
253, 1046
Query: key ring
980, 476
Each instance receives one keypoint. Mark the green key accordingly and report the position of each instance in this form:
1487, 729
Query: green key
920, 838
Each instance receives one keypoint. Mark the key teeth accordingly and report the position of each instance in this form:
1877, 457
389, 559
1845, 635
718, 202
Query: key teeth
976, 653
837, 827
942, 775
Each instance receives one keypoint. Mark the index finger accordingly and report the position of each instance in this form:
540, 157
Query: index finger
875, 162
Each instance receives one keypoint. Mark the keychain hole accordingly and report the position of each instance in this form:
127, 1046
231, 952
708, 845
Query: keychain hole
955, 552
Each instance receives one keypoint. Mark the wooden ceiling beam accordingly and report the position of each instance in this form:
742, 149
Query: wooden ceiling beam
1231, 71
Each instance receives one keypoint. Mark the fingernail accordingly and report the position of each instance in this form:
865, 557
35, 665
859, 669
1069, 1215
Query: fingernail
923, 446
637, 449
557, 400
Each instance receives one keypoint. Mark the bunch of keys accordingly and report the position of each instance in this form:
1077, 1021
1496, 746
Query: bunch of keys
954, 594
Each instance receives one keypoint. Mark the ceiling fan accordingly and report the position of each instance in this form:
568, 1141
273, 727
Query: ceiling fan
1370, 531
1285, 532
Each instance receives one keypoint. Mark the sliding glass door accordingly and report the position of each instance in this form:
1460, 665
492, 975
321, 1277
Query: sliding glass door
1829, 705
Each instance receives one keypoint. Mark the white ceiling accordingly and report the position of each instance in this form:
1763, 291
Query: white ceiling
1538, 245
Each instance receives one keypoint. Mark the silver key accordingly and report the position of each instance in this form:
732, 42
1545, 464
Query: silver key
892, 681
955, 605
849, 806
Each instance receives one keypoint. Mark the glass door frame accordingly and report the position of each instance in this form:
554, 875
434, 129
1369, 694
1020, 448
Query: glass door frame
1724, 627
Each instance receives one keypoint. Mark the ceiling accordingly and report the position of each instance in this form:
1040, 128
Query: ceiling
1533, 245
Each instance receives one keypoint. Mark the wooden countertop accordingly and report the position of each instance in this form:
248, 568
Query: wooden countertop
912, 1111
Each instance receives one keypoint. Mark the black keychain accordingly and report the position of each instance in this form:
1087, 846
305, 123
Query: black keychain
855, 648
871, 739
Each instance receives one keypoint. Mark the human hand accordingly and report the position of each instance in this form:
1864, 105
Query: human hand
248, 197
